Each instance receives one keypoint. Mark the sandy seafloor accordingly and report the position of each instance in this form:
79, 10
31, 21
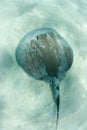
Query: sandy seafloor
27, 104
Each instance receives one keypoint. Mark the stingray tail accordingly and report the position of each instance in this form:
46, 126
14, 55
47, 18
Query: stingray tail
58, 104
56, 96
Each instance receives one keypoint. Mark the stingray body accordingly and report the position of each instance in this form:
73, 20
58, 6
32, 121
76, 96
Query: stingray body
45, 55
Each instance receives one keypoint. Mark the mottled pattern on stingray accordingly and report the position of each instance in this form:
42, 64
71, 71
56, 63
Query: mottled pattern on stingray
68, 55
50, 55
34, 60
44, 54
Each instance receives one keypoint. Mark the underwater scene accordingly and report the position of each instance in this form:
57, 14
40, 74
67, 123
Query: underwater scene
31, 98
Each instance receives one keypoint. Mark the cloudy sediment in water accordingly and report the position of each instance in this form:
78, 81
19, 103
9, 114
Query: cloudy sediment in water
26, 103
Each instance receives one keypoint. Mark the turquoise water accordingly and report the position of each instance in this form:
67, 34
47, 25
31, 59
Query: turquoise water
24, 102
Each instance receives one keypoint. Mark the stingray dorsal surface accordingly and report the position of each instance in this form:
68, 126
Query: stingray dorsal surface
44, 54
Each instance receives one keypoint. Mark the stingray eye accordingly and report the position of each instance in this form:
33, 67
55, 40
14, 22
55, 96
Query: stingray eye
45, 55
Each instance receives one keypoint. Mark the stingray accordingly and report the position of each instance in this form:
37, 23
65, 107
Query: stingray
45, 55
